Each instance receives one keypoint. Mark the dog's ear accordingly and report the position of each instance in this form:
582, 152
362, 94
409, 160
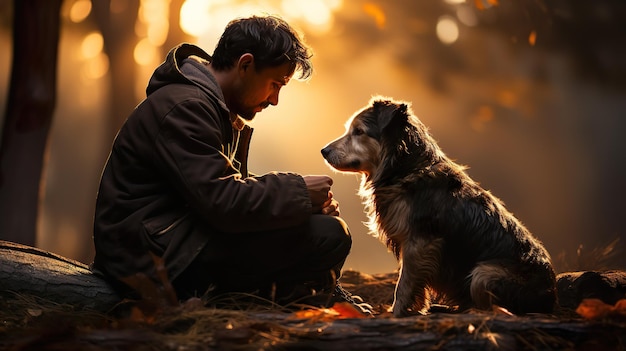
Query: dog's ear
390, 113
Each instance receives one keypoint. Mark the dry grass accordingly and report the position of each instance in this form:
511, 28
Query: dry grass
243, 322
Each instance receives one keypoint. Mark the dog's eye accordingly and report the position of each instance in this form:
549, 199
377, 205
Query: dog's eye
358, 131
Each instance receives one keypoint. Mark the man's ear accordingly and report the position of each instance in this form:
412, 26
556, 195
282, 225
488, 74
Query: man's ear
245, 63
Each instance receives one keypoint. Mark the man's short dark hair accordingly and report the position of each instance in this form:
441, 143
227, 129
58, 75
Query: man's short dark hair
270, 39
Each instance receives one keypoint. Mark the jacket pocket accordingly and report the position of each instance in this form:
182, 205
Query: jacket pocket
159, 230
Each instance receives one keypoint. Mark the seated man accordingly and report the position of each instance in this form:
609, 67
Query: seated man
176, 184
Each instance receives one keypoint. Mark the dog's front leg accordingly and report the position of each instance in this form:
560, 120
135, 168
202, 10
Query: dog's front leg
419, 263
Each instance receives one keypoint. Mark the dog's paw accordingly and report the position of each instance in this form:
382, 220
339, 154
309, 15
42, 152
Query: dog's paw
399, 312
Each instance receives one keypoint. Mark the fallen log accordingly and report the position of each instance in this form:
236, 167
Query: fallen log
26, 270
201, 328
29, 271
573, 287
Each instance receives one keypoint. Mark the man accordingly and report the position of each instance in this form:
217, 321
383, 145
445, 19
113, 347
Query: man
176, 189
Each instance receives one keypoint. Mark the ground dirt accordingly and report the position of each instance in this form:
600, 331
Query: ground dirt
240, 323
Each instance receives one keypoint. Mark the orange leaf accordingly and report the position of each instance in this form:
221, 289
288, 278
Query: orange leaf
620, 307
137, 315
340, 310
314, 314
346, 310
593, 309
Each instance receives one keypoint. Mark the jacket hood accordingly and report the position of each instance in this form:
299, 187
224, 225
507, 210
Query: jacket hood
171, 72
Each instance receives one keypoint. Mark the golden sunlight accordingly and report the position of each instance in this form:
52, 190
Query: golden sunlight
316, 14
206, 19
193, 17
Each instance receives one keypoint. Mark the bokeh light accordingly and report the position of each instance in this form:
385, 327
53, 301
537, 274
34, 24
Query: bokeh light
92, 45
317, 15
447, 30
79, 10
145, 53
206, 20
193, 17
467, 15
154, 16
97, 67
377, 13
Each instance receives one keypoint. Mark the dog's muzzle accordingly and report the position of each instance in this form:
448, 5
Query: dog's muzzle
326, 151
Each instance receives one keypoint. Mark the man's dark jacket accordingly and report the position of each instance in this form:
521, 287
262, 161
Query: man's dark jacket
171, 182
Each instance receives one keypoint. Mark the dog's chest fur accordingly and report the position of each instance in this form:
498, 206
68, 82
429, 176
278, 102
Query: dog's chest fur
392, 216
413, 205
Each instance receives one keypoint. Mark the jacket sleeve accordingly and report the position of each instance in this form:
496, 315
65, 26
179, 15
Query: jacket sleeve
190, 151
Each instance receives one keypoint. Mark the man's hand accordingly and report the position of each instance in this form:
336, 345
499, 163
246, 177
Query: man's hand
331, 207
320, 194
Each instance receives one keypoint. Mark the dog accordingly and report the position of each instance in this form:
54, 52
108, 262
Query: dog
453, 239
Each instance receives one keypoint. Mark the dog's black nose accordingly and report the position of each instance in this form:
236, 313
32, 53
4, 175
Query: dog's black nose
325, 151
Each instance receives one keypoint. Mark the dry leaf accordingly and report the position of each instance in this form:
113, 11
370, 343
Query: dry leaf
340, 310
620, 307
597, 309
314, 315
347, 310
501, 310
138, 316
34, 312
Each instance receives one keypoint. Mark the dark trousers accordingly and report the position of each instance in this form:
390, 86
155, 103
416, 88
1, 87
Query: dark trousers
311, 254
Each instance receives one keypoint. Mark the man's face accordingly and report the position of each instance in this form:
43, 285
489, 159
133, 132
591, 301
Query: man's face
260, 89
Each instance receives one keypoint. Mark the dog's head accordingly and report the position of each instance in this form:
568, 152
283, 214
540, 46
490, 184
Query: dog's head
382, 133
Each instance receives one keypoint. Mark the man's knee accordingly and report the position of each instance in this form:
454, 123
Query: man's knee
331, 235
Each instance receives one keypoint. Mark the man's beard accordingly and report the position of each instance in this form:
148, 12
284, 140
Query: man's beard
249, 116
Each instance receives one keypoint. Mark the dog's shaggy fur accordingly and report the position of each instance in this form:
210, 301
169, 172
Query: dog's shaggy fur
453, 239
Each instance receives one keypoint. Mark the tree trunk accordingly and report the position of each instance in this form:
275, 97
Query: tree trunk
116, 20
175, 34
30, 107
29, 271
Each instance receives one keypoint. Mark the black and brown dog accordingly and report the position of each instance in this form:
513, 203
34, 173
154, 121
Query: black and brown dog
453, 239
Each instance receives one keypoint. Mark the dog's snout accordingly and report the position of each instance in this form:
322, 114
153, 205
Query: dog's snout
326, 151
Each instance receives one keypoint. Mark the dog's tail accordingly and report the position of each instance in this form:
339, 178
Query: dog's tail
520, 290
